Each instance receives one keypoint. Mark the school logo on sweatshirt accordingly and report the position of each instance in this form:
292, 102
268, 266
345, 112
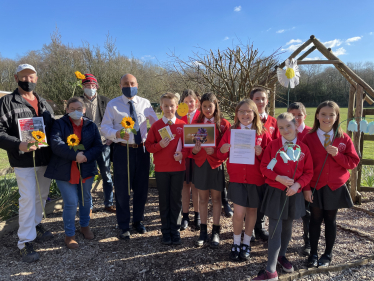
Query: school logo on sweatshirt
271, 129
179, 130
259, 141
302, 155
341, 147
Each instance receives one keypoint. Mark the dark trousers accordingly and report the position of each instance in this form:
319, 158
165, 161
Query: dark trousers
170, 185
306, 221
260, 221
139, 176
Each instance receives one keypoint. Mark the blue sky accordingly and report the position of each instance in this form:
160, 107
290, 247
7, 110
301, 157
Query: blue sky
151, 29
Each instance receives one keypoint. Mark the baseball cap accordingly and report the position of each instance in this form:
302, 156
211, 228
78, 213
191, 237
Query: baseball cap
25, 66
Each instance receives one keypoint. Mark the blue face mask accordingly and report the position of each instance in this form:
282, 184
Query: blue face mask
129, 92
76, 115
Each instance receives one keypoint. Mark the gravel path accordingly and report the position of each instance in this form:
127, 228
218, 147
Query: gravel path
145, 258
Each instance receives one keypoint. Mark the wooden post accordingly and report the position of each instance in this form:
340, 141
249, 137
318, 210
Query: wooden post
356, 140
272, 101
351, 104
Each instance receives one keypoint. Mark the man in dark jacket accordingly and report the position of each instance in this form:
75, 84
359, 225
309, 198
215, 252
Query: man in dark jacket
95, 109
25, 103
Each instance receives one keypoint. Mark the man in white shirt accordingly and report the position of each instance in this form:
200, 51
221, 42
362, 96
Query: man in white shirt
139, 109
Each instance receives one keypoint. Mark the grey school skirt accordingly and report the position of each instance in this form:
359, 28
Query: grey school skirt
327, 199
205, 178
273, 202
245, 195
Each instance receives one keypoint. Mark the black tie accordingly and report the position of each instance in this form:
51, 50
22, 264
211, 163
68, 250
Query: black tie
133, 115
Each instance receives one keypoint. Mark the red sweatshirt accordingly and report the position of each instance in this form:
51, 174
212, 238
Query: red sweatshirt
301, 135
163, 158
335, 173
212, 159
197, 113
243, 173
271, 126
304, 171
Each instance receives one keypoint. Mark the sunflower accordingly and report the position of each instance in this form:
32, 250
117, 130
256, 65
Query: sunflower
127, 123
38, 136
79, 75
73, 140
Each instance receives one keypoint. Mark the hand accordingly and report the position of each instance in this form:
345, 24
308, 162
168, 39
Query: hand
23, 147
197, 147
258, 150
209, 150
81, 158
308, 196
164, 142
178, 156
125, 137
293, 189
108, 142
333, 150
284, 180
225, 148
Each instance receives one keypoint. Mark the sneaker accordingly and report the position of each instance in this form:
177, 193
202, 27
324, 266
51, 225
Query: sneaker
266, 275
28, 254
42, 234
286, 265
235, 252
245, 252
125, 234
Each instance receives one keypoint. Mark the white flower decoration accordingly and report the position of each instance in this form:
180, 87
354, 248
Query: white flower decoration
290, 76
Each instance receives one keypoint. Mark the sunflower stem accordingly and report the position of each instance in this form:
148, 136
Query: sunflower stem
288, 95
80, 176
37, 183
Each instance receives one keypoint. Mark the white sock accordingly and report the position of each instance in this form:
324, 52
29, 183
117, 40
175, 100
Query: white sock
247, 239
237, 239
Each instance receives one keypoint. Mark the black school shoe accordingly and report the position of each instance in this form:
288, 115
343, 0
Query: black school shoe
28, 254
139, 227
125, 234
42, 234
262, 234
324, 260
203, 236
235, 252
197, 221
228, 211
245, 252
166, 239
312, 261
214, 241
185, 223
176, 239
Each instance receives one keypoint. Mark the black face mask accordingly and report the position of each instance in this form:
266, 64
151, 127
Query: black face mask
27, 86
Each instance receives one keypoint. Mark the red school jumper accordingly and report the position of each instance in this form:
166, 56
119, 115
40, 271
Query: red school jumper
301, 135
335, 173
244, 173
213, 160
163, 158
304, 171
271, 127
197, 113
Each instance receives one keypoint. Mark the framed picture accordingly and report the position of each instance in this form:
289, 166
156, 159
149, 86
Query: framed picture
206, 133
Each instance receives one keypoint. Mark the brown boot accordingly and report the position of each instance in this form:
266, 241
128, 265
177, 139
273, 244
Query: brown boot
87, 233
71, 243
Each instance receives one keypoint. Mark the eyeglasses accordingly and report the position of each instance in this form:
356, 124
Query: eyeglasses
245, 112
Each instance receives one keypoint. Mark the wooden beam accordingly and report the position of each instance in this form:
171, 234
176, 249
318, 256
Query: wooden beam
307, 53
368, 162
318, 62
368, 111
329, 55
297, 51
368, 138
356, 139
368, 100
351, 104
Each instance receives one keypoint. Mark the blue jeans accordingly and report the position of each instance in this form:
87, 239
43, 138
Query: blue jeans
72, 195
103, 162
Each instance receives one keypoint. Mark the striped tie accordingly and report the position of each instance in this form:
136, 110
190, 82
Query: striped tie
188, 118
246, 128
327, 140
170, 122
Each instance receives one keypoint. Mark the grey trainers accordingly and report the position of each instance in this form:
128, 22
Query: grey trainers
28, 254
42, 235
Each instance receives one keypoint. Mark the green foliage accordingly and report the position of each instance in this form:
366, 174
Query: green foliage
152, 173
8, 197
367, 176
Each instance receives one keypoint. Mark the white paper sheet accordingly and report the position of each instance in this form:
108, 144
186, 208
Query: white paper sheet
242, 150
179, 148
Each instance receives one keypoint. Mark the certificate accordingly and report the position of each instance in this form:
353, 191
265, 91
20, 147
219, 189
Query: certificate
27, 125
166, 133
242, 150
205, 133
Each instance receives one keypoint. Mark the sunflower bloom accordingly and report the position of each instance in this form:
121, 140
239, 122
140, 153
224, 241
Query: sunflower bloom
38, 136
127, 123
73, 140
79, 75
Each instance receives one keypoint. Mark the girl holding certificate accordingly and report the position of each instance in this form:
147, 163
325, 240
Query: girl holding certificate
245, 180
287, 169
208, 172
